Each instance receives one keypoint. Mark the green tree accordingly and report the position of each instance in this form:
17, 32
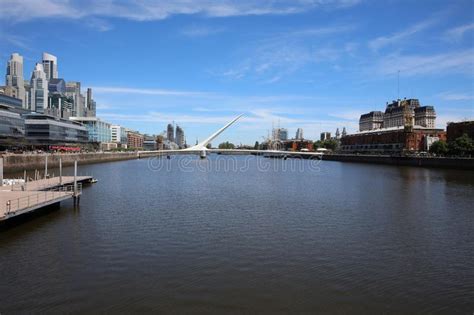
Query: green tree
256, 146
439, 148
330, 144
462, 146
317, 144
226, 145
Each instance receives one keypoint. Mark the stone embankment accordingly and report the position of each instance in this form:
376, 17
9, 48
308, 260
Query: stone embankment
18, 162
13, 163
438, 162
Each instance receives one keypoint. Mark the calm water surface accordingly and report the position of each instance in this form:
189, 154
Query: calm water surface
340, 238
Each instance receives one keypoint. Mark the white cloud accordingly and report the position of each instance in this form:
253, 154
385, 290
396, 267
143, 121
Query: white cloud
457, 33
409, 65
146, 10
382, 41
449, 96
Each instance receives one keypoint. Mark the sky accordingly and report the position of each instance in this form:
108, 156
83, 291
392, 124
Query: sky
311, 64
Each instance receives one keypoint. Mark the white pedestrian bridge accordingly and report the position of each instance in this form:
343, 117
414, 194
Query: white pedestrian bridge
202, 150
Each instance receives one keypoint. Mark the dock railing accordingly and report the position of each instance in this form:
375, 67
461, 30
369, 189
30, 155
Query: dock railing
43, 184
39, 198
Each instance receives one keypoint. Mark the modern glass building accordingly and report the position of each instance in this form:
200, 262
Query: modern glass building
99, 130
12, 127
12, 124
57, 86
10, 101
50, 65
44, 129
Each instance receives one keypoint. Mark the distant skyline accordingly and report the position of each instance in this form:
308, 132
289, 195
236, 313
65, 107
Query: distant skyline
316, 65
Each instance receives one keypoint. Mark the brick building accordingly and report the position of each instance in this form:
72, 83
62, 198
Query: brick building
297, 145
456, 130
134, 139
392, 140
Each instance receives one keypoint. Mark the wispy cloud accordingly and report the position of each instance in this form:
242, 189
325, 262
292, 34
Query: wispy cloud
128, 90
320, 31
457, 33
276, 56
409, 65
349, 115
450, 96
201, 31
15, 40
382, 41
98, 24
22, 10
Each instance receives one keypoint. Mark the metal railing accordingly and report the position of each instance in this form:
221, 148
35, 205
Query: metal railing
47, 184
41, 197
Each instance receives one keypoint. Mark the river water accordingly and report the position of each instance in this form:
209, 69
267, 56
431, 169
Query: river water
248, 235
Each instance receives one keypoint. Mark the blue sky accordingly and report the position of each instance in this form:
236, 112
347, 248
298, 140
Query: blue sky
311, 64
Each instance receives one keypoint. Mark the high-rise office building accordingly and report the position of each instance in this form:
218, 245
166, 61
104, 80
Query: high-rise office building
73, 89
14, 78
39, 90
299, 134
325, 136
170, 133
90, 104
179, 137
59, 104
50, 66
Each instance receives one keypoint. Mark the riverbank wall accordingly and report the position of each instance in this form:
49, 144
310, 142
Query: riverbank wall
435, 162
13, 163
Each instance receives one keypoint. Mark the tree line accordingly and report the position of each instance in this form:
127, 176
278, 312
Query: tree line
462, 146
